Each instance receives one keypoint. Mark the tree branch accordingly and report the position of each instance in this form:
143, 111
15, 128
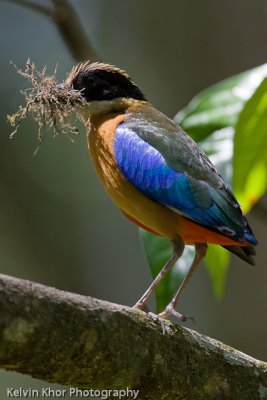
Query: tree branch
72, 32
80, 341
69, 27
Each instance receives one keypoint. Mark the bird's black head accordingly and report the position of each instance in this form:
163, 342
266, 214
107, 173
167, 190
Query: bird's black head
99, 81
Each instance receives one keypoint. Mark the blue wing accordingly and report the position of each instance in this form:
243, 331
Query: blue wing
146, 168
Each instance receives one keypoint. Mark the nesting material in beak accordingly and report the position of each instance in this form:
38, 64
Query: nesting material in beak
53, 106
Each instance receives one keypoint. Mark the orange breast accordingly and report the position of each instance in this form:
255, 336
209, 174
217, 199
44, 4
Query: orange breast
141, 210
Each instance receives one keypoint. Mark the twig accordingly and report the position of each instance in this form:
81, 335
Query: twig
72, 32
68, 25
40, 8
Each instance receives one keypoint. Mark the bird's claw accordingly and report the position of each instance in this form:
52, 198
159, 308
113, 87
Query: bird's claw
157, 318
164, 315
169, 311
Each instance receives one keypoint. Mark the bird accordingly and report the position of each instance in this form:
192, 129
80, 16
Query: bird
156, 174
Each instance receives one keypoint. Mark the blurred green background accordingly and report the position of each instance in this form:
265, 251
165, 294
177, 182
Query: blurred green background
57, 225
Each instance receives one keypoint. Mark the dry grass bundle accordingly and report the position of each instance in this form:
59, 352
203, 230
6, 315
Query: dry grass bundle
50, 104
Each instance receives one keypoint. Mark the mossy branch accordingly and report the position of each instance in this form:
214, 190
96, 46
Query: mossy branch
84, 342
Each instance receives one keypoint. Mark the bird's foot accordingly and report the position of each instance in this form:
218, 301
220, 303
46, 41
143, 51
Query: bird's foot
164, 315
156, 318
170, 311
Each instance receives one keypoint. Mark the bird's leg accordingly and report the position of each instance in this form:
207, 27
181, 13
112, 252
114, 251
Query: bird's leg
201, 249
178, 248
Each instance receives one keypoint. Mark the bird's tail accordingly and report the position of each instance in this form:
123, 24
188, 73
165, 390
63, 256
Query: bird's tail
247, 253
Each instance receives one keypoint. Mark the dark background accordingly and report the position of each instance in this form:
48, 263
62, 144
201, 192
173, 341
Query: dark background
57, 225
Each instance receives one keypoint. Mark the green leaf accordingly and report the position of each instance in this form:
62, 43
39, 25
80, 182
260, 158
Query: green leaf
250, 150
217, 262
220, 105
